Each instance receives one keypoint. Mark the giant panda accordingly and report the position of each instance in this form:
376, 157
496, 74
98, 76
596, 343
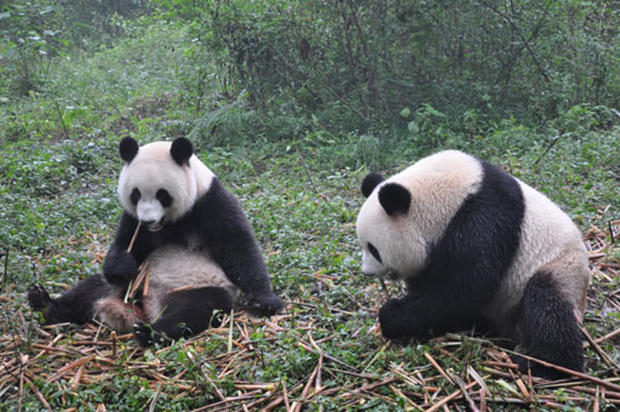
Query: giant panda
195, 239
475, 245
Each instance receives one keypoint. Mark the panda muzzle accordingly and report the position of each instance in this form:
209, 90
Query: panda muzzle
154, 226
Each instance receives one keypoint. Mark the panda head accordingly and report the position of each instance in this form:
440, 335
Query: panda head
391, 246
161, 181
405, 215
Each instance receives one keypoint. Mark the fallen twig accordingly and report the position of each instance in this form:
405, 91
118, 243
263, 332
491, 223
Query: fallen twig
451, 397
76, 363
436, 366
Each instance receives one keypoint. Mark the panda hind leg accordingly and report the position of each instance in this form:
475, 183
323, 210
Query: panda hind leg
76, 305
550, 329
185, 313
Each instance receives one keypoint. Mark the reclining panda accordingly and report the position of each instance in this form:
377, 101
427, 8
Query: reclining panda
197, 241
475, 244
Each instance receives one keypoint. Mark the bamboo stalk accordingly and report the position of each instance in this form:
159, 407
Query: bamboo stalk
465, 392
608, 336
133, 238
285, 395
133, 285
38, 394
571, 372
147, 279
439, 368
451, 397
604, 356
72, 365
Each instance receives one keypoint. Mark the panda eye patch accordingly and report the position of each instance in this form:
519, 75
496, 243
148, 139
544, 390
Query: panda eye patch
373, 251
135, 196
164, 197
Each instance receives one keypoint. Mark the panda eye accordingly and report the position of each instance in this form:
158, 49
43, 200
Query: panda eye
135, 196
164, 197
373, 251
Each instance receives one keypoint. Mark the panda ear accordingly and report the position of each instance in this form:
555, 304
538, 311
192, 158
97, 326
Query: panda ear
128, 148
181, 150
371, 181
394, 198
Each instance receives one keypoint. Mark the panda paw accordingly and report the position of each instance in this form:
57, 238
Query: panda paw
146, 335
266, 305
38, 298
119, 267
392, 319
143, 333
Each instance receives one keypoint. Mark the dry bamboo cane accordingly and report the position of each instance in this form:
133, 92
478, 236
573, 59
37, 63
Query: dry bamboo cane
142, 272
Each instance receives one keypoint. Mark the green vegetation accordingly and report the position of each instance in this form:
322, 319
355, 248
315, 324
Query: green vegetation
533, 87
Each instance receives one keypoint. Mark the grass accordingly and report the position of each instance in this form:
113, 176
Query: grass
301, 193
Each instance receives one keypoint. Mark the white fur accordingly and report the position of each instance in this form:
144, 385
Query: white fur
176, 267
171, 267
153, 168
438, 185
549, 241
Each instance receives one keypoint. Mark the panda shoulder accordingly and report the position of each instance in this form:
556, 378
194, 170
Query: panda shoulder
204, 175
450, 170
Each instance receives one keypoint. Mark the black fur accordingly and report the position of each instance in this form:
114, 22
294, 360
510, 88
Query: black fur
394, 198
369, 183
225, 233
549, 327
128, 148
75, 305
186, 313
464, 269
181, 150
120, 266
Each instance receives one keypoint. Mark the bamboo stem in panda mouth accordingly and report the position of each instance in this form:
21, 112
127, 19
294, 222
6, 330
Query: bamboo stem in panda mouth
143, 272
133, 238
385, 288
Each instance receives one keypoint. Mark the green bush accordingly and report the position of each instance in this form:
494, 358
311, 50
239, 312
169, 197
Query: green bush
355, 65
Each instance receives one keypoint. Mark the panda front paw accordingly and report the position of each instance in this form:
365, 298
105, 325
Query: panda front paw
38, 298
119, 267
142, 333
145, 335
390, 318
266, 305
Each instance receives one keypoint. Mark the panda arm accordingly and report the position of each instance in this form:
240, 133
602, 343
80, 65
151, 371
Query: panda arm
461, 276
450, 302
466, 266
121, 266
228, 237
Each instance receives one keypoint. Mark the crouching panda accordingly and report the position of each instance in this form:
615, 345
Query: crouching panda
199, 249
475, 246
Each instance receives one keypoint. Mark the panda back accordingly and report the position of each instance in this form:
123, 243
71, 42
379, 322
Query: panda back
439, 185
549, 242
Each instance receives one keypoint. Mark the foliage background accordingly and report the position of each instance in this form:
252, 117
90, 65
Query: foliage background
291, 103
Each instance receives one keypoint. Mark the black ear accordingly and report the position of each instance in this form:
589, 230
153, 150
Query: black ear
394, 198
371, 181
128, 148
181, 150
